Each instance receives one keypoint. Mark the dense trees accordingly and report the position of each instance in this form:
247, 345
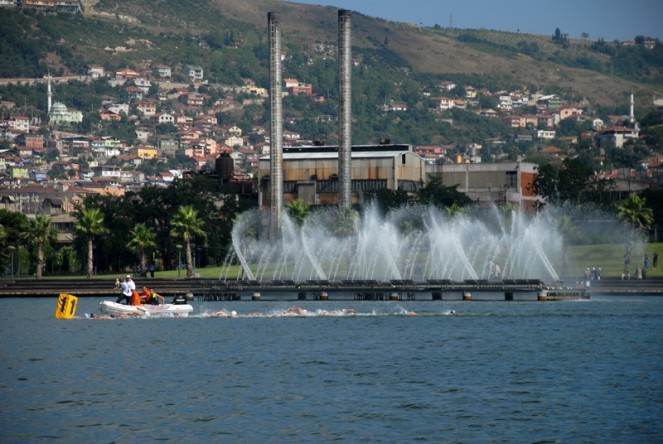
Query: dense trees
564, 182
436, 194
13, 239
196, 215
388, 200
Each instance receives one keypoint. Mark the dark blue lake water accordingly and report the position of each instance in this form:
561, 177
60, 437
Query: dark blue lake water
587, 371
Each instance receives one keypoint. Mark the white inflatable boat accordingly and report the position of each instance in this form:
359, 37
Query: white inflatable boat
115, 309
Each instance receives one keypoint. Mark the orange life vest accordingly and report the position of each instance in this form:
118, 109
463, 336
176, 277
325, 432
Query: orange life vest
135, 298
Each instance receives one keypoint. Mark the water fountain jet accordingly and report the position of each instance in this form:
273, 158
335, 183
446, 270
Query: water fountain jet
436, 247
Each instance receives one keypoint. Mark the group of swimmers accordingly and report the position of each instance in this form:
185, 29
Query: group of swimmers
288, 312
292, 311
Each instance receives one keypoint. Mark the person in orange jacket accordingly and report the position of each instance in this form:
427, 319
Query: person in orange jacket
145, 295
135, 298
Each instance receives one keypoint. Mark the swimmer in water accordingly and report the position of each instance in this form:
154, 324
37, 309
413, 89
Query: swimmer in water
103, 317
296, 310
223, 314
94, 316
219, 314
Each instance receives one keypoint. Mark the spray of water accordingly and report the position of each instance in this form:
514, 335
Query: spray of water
415, 242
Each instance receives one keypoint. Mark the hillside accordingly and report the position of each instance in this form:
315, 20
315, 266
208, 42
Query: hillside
172, 31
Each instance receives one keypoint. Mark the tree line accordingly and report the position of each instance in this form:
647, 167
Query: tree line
113, 234
194, 216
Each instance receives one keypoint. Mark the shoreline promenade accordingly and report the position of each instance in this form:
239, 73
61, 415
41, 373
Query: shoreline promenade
215, 289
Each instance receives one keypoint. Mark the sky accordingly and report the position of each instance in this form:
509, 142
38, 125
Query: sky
607, 19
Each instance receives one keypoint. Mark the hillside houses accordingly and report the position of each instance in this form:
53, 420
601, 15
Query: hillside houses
149, 124
194, 72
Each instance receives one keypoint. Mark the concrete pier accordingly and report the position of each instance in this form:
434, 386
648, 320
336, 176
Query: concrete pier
312, 290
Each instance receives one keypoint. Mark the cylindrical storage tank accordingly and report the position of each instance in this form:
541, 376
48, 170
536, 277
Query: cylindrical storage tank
324, 296
394, 296
542, 296
225, 166
467, 296
255, 296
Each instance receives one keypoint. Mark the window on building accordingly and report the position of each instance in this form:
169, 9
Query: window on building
511, 179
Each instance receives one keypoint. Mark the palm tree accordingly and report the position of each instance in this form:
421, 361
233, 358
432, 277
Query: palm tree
142, 238
633, 211
90, 224
41, 232
298, 210
453, 210
186, 225
347, 222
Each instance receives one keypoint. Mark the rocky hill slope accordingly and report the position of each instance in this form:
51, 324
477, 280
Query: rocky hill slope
115, 31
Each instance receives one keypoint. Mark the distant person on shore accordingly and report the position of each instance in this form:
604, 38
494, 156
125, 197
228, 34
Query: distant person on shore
655, 260
152, 270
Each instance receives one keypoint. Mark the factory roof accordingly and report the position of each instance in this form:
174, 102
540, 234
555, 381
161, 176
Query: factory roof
331, 152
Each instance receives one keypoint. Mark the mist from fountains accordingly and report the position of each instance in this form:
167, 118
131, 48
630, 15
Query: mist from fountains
414, 243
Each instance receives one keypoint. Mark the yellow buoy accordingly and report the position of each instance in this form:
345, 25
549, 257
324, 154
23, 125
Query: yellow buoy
66, 308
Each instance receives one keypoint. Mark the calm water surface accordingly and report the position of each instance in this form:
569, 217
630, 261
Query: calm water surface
494, 371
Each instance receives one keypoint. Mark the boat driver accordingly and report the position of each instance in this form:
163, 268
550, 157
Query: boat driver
126, 291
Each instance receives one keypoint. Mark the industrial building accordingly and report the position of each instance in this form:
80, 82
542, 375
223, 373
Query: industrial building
496, 183
312, 173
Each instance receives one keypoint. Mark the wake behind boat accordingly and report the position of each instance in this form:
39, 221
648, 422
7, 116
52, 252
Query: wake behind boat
117, 309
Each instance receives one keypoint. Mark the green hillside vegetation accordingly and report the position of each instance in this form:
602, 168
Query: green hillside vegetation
229, 40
